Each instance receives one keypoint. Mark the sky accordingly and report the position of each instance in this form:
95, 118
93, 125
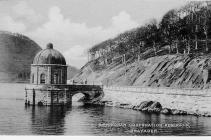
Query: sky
74, 26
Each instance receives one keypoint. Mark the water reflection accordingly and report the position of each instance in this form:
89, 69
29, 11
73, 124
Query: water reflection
48, 120
86, 120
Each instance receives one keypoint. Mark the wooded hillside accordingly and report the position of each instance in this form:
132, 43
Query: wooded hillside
186, 30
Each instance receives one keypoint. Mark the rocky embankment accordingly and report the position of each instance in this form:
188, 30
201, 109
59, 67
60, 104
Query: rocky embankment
152, 107
168, 71
176, 71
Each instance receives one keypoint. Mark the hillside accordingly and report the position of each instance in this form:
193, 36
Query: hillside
174, 52
176, 71
71, 71
16, 55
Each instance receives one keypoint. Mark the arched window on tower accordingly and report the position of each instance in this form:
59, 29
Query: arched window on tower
32, 78
42, 78
55, 78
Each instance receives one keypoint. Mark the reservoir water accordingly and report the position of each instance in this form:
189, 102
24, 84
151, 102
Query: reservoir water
17, 119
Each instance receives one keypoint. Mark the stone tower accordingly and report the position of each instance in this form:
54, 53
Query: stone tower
49, 67
48, 82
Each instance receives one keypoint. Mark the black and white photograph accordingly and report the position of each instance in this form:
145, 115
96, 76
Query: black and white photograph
105, 68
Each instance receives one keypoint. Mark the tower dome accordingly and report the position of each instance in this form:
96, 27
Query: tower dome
49, 56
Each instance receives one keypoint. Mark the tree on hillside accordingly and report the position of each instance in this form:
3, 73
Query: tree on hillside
120, 49
205, 21
153, 34
194, 7
170, 28
185, 29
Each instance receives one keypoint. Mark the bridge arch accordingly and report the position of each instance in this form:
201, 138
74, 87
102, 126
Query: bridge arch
90, 96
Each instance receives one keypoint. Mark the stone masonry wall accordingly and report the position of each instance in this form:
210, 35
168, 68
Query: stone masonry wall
47, 95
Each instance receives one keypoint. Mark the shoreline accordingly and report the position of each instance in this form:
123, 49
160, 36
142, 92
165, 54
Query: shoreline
164, 103
163, 111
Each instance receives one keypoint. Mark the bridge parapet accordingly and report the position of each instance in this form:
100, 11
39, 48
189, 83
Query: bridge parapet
81, 87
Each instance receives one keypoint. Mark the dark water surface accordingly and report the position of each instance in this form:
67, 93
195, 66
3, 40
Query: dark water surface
16, 119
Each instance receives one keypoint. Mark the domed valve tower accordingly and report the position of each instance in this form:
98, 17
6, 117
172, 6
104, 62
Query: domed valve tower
49, 67
48, 82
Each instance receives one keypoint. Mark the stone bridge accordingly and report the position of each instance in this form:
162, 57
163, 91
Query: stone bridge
91, 92
61, 94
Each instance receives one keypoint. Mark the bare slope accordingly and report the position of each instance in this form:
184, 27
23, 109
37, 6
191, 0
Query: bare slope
177, 71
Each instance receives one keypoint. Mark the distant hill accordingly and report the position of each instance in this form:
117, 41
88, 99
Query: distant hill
16, 55
71, 72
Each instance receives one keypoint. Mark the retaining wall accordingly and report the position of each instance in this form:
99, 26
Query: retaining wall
190, 100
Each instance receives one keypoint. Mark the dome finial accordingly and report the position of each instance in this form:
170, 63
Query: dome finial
49, 46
